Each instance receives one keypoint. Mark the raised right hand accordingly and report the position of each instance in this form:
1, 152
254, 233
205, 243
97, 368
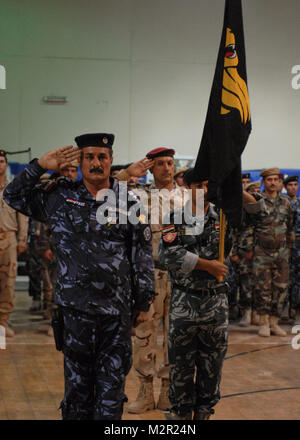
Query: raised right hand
139, 169
58, 158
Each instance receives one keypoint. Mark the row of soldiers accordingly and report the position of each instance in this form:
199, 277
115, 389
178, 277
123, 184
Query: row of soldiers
265, 256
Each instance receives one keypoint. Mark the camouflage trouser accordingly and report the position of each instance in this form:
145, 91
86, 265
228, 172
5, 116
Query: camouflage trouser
197, 342
294, 287
232, 279
34, 269
97, 358
8, 272
49, 274
271, 278
145, 341
245, 271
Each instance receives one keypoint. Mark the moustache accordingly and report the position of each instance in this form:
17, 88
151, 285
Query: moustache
96, 170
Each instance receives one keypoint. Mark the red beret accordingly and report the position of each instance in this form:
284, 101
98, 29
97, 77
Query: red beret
157, 152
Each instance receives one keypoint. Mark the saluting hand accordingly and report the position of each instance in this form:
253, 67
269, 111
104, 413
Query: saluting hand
58, 158
138, 169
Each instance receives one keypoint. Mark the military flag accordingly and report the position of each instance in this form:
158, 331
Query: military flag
228, 121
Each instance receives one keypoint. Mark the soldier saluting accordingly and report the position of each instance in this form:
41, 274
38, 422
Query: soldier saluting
104, 273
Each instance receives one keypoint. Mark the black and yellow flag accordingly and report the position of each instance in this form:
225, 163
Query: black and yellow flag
228, 121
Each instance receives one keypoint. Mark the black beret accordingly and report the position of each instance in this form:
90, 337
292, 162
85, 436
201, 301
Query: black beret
95, 140
246, 176
291, 179
190, 176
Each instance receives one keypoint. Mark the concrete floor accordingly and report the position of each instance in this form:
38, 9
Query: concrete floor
261, 379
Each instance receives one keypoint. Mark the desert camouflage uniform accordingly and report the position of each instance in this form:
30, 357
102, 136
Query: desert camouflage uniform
145, 341
11, 223
274, 238
104, 272
198, 313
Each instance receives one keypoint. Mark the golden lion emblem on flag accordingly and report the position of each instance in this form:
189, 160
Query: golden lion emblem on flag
234, 89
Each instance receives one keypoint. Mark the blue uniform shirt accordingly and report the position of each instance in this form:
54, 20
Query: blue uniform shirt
102, 268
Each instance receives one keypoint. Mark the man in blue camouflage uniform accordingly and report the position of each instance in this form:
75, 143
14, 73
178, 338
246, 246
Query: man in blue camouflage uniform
293, 298
105, 273
198, 329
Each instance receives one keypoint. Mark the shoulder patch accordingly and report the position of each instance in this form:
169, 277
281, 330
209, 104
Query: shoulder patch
169, 237
147, 234
168, 229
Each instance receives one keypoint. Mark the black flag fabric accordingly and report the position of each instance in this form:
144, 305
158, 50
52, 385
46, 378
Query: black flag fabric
228, 121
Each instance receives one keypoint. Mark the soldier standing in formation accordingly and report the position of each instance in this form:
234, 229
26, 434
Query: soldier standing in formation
105, 273
292, 185
198, 307
11, 224
242, 256
178, 176
145, 340
245, 179
274, 238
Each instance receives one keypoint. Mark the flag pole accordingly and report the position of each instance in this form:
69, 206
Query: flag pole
222, 239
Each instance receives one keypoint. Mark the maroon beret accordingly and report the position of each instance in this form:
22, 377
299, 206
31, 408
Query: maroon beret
158, 152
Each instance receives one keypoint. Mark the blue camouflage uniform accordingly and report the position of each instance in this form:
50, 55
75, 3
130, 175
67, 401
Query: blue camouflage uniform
104, 273
198, 312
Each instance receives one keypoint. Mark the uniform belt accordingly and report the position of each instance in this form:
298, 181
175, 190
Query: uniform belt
204, 290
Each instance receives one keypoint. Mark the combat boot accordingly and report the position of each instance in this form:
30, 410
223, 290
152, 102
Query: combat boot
274, 327
264, 328
174, 416
246, 319
255, 318
163, 401
285, 312
145, 398
203, 414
